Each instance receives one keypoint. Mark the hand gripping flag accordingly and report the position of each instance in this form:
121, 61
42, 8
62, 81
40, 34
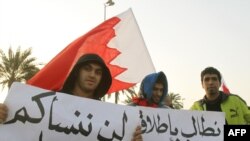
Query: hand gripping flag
118, 41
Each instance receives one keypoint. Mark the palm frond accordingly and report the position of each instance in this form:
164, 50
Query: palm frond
17, 66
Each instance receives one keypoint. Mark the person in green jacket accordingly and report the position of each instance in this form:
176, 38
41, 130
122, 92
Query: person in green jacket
235, 108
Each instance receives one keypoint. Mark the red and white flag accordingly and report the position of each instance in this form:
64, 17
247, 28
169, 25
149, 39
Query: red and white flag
117, 40
224, 86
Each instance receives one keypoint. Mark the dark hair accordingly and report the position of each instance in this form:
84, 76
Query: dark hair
210, 70
161, 78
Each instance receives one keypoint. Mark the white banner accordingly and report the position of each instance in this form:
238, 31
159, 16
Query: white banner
181, 125
39, 115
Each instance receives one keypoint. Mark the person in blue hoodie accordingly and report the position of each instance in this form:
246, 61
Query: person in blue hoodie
153, 90
152, 93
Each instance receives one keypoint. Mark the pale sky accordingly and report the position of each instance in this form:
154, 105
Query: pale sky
182, 36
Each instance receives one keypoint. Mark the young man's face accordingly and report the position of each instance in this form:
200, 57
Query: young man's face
157, 92
89, 77
211, 84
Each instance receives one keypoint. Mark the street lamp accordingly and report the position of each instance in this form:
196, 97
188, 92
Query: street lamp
108, 3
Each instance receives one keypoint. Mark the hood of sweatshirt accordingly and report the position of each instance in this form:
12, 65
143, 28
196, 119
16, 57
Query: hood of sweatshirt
105, 82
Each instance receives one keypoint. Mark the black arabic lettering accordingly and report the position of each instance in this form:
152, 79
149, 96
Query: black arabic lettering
152, 125
200, 132
162, 128
26, 117
209, 131
143, 123
191, 134
72, 129
159, 127
175, 132
114, 135
41, 136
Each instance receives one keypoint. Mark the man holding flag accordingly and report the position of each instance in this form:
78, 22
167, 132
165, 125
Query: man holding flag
97, 63
89, 78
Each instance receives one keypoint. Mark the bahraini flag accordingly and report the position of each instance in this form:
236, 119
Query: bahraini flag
117, 40
224, 86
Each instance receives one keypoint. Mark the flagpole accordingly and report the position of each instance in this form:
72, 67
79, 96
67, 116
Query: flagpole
104, 11
108, 3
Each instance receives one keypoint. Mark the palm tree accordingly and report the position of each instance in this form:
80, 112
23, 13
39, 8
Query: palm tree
130, 92
16, 66
177, 101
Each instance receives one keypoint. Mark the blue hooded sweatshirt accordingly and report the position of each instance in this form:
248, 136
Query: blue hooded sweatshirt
146, 90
